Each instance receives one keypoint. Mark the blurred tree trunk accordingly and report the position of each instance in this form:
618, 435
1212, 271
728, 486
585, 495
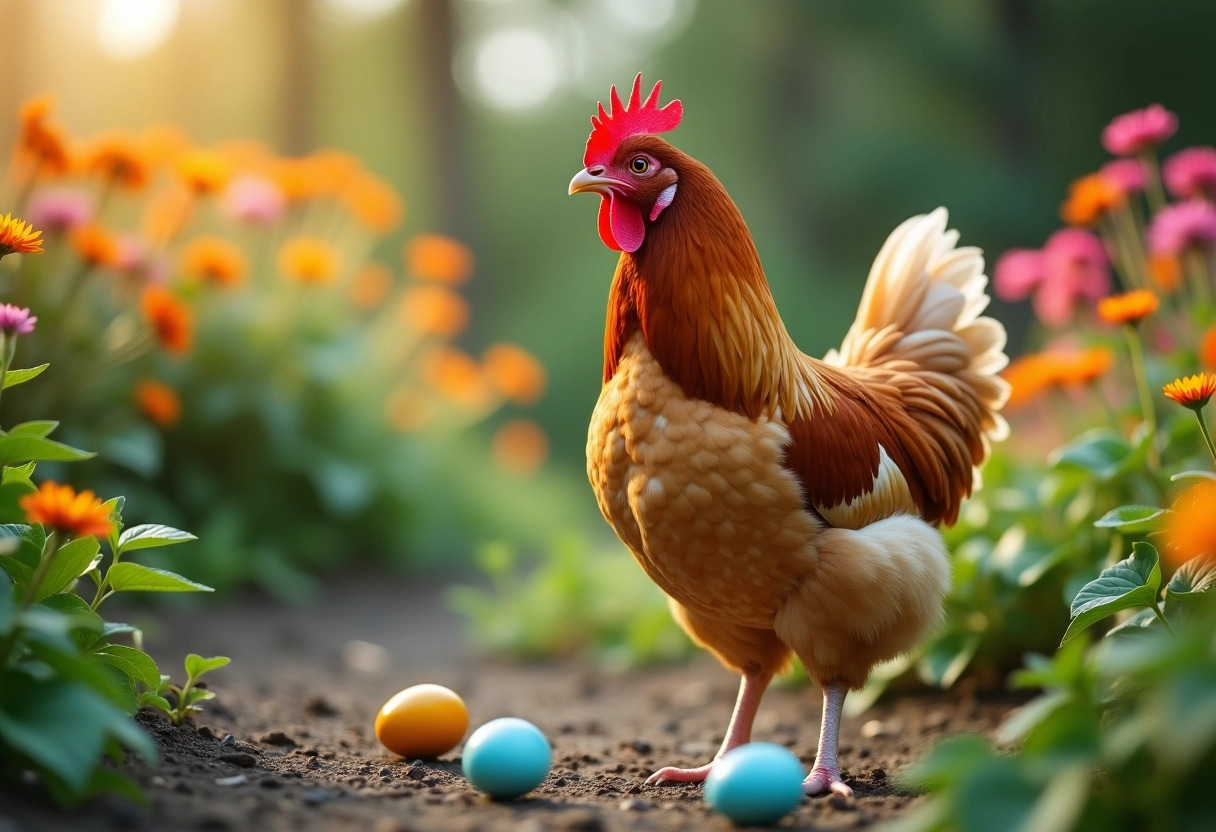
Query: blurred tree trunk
295, 18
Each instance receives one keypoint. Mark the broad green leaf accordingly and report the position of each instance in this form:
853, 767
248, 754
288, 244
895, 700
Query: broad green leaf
196, 695
1193, 583
1139, 624
25, 448
1133, 519
1024, 720
42, 428
14, 377
1193, 475
149, 699
150, 535
196, 665
135, 577
18, 473
1102, 452
76, 609
134, 663
1130, 583
73, 560
946, 659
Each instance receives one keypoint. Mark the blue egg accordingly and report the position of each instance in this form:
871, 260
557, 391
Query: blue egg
506, 758
757, 783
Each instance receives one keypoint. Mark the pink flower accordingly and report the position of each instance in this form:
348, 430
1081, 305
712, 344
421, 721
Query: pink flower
132, 253
1071, 267
1139, 130
14, 320
254, 199
60, 209
1181, 226
1191, 173
1126, 174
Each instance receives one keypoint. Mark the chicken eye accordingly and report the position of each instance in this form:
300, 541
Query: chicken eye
640, 164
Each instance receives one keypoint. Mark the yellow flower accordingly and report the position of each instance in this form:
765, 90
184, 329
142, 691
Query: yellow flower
308, 260
434, 311
159, 402
61, 509
1129, 307
203, 171
18, 237
514, 372
1191, 528
1090, 198
214, 260
438, 258
1193, 392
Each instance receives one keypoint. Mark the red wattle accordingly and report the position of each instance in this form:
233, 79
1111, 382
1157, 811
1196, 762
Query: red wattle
620, 223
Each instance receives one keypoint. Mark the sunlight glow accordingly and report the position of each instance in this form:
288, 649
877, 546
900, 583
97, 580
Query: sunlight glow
130, 29
364, 9
515, 68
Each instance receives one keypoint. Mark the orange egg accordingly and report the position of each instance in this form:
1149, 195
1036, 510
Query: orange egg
422, 721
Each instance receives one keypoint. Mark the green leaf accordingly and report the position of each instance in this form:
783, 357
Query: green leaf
1130, 583
1140, 623
1192, 585
946, 659
24, 448
43, 428
1133, 519
1102, 452
18, 473
1022, 721
7, 605
149, 535
149, 699
73, 560
135, 577
134, 663
196, 665
14, 377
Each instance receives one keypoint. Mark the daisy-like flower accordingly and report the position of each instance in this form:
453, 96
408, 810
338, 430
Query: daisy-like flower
514, 372
59, 508
1089, 199
214, 260
1191, 173
1084, 367
159, 402
1183, 225
434, 310
373, 203
309, 260
1191, 528
1126, 174
204, 171
18, 237
1033, 375
1139, 130
117, 158
1192, 392
16, 320
1071, 268
58, 210
169, 319
254, 199
1129, 307
44, 144
438, 258
95, 245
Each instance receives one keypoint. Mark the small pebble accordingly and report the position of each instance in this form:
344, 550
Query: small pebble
207, 733
240, 758
415, 773
634, 804
228, 740
234, 780
319, 707
642, 747
270, 783
277, 738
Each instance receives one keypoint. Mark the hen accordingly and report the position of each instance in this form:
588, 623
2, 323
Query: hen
785, 504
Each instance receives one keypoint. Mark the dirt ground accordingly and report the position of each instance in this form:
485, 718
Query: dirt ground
288, 743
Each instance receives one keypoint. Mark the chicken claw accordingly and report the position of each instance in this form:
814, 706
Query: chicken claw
823, 780
680, 775
825, 776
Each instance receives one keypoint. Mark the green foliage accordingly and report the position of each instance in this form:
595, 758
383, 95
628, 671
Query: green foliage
185, 698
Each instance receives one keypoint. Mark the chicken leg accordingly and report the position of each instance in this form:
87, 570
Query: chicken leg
751, 691
825, 776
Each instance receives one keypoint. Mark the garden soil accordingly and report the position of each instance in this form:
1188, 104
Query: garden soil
288, 742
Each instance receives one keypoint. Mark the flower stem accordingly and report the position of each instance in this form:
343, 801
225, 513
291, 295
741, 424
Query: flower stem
1153, 189
8, 348
1197, 268
49, 549
1160, 617
1128, 235
1207, 437
1146, 399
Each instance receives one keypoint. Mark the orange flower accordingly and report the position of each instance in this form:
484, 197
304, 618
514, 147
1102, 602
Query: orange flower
371, 285
438, 258
159, 402
434, 311
203, 171
408, 410
1129, 307
1084, 367
95, 245
308, 260
61, 509
166, 213
45, 144
1193, 392
162, 143
520, 447
1191, 529
18, 237
1089, 198
1029, 378
373, 203
296, 178
1165, 272
169, 318
118, 159
1207, 348
514, 372
457, 376
332, 170
214, 260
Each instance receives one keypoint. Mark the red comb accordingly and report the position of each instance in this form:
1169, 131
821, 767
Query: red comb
609, 129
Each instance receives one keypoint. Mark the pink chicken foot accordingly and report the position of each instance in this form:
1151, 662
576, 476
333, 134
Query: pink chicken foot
825, 775
751, 691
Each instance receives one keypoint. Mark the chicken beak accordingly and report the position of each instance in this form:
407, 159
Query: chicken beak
584, 181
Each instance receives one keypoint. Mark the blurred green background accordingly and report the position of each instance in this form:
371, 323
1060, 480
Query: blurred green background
829, 123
